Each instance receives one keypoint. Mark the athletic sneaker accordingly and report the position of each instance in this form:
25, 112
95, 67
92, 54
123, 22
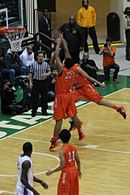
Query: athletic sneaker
54, 144
115, 81
72, 127
122, 111
81, 136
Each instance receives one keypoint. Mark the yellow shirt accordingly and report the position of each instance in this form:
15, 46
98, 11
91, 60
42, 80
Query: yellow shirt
86, 17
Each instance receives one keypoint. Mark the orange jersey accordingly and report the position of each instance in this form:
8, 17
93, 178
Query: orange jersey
107, 58
80, 80
69, 179
64, 82
69, 154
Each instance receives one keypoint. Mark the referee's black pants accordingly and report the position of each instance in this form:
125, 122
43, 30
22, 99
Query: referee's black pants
40, 87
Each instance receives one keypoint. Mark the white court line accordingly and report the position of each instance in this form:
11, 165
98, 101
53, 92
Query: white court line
96, 147
40, 173
34, 140
2, 191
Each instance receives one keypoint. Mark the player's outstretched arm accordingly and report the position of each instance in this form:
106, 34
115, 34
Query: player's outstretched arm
57, 58
61, 165
82, 72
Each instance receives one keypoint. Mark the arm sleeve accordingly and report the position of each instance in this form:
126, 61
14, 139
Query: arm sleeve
94, 17
79, 18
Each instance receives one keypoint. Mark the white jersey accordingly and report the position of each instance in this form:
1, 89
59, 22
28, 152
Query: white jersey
19, 184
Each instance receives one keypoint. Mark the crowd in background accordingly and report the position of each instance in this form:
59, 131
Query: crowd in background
32, 70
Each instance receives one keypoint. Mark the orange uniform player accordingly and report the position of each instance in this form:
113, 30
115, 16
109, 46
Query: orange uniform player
69, 178
85, 90
64, 104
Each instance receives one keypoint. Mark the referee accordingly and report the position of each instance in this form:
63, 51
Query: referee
38, 82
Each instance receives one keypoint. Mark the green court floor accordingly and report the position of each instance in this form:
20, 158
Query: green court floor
13, 124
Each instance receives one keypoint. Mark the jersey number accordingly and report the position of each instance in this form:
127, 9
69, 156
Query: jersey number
68, 75
71, 156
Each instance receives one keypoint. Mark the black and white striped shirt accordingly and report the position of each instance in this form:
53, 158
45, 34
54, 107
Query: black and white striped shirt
38, 69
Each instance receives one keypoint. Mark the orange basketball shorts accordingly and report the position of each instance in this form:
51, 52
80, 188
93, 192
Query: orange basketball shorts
87, 92
64, 106
68, 183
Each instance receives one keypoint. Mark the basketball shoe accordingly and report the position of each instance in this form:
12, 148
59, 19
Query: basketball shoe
122, 111
81, 136
54, 144
72, 127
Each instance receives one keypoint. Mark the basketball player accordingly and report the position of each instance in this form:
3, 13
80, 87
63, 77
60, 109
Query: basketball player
69, 158
84, 89
24, 184
64, 105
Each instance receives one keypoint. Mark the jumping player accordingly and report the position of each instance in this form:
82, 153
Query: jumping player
64, 105
69, 158
84, 89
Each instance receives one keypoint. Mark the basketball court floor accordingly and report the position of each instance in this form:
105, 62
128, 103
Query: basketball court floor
104, 153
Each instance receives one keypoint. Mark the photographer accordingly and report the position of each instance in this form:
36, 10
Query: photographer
8, 102
109, 61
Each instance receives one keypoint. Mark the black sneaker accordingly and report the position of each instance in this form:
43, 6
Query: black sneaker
45, 113
33, 114
71, 125
115, 81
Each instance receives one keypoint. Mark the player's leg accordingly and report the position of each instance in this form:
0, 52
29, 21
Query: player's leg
57, 128
64, 184
89, 93
77, 124
74, 184
119, 109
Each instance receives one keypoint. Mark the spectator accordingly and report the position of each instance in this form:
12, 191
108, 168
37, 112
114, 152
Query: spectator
45, 27
109, 60
73, 35
6, 71
86, 18
12, 61
26, 59
8, 102
89, 66
38, 81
